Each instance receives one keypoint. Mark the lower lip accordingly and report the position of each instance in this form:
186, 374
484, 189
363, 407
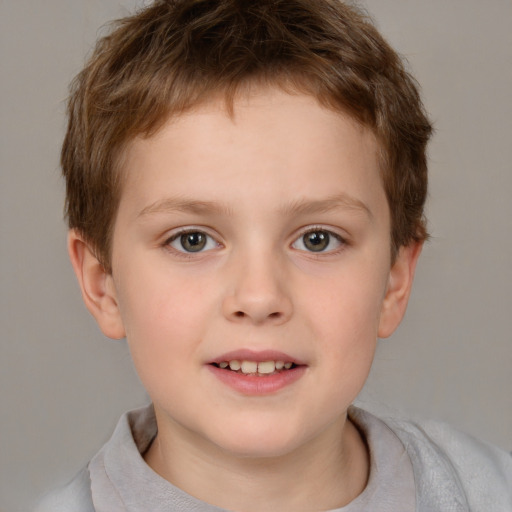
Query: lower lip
255, 385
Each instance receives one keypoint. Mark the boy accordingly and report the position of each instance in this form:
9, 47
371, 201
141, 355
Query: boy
245, 192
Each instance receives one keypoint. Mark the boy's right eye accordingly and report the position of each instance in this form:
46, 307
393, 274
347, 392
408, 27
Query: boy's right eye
192, 241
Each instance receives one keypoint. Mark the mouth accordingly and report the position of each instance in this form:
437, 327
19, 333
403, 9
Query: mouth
257, 373
256, 368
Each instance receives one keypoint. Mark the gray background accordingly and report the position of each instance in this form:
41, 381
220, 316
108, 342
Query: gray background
63, 386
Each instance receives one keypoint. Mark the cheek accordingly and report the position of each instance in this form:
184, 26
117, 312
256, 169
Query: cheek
152, 298
347, 306
344, 328
164, 318
345, 322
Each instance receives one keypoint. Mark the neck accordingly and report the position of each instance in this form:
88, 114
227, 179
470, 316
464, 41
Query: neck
328, 473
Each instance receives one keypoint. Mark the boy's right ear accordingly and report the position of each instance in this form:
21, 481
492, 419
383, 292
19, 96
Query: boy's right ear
97, 286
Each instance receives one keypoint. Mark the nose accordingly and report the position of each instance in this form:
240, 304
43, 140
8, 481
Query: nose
257, 292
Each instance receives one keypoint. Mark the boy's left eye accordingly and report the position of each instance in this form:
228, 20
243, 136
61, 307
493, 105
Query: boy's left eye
318, 240
192, 241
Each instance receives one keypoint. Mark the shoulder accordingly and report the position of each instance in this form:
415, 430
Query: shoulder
75, 496
452, 470
121, 453
482, 472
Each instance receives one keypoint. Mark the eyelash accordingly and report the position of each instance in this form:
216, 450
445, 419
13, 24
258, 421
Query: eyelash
300, 239
184, 253
343, 243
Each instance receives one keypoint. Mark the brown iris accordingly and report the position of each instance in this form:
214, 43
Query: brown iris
193, 242
316, 241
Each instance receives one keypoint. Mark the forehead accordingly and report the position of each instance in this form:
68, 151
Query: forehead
277, 146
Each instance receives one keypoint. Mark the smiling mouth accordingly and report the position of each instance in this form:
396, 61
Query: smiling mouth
253, 368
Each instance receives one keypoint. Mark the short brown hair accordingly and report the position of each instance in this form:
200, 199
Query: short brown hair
174, 54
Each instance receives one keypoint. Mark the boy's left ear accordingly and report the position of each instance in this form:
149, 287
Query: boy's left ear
399, 288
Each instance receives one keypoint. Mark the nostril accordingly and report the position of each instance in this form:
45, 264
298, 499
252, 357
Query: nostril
239, 314
274, 315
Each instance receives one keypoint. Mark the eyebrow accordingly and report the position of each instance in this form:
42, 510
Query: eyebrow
180, 204
335, 202
301, 206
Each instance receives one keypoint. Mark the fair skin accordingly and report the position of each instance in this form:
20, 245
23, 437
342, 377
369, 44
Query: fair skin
257, 237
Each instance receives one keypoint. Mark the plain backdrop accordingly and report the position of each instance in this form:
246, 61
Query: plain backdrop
63, 385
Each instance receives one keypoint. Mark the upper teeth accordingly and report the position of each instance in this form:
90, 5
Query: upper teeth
264, 367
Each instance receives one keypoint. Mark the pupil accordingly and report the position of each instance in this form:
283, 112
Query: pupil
316, 241
193, 242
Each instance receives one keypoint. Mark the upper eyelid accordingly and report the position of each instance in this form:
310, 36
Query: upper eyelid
341, 240
312, 228
177, 232
213, 233
173, 234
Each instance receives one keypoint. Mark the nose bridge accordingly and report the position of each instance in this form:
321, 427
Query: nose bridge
257, 290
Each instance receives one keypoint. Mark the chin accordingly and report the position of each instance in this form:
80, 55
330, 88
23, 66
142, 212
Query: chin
258, 441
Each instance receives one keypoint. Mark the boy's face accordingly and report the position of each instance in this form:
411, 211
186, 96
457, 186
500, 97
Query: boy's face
262, 237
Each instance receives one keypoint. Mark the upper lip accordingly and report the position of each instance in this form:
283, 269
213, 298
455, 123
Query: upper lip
258, 356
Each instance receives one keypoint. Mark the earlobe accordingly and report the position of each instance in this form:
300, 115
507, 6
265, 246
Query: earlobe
97, 286
399, 287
